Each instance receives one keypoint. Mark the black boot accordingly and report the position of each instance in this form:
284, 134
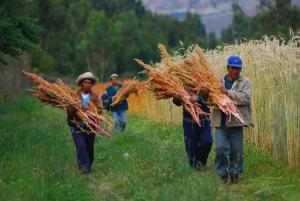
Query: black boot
234, 178
224, 178
122, 126
200, 166
84, 170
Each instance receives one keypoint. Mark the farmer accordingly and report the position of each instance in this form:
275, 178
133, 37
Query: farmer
118, 111
229, 132
198, 139
84, 140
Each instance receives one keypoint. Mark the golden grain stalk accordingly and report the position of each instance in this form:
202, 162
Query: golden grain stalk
273, 66
130, 87
164, 86
195, 72
61, 96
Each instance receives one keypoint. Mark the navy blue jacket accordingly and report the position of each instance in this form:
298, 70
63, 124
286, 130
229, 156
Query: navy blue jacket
187, 116
107, 100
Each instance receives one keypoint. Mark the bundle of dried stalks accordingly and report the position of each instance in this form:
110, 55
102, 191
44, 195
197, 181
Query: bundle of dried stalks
164, 86
130, 87
61, 96
195, 72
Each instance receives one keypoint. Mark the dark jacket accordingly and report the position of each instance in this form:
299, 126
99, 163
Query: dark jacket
187, 116
107, 100
72, 118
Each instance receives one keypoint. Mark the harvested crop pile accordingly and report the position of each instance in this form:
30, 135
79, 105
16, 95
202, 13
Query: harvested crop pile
163, 86
128, 88
194, 72
61, 96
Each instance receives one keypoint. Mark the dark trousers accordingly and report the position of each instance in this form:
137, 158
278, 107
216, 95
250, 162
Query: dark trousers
198, 142
84, 149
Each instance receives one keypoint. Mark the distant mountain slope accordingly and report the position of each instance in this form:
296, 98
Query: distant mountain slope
215, 14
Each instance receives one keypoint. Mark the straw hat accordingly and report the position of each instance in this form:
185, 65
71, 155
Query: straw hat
87, 75
114, 75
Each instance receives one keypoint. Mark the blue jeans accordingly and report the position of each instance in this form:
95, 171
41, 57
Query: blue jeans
229, 150
198, 141
120, 119
84, 148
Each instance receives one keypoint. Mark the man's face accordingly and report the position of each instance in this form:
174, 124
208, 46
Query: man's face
233, 72
86, 85
114, 81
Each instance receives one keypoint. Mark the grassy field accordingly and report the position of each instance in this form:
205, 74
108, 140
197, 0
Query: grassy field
147, 162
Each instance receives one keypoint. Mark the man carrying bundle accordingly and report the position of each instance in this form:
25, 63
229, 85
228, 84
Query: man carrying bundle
84, 140
198, 139
118, 111
229, 132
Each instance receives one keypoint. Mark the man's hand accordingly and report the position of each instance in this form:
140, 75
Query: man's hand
194, 98
224, 90
204, 91
178, 97
71, 110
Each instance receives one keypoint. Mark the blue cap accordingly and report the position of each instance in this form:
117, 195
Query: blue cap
235, 61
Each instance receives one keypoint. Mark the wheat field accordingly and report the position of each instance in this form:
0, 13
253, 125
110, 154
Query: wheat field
273, 66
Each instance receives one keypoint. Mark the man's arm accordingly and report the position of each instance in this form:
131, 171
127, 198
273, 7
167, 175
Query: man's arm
106, 100
243, 96
71, 111
177, 100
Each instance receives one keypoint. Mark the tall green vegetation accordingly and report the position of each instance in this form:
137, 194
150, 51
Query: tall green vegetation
104, 36
18, 31
276, 18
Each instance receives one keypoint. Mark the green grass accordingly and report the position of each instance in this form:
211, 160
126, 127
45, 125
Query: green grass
38, 163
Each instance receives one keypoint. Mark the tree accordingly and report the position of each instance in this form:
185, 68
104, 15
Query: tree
194, 29
95, 44
212, 40
227, 35
240, 27
19, 32
115, 7
126, 41
276, 18
240, 23
57, 38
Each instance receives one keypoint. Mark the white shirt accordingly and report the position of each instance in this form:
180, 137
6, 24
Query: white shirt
84, 96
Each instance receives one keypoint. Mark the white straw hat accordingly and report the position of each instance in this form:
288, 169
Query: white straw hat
87, 75
114, 75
